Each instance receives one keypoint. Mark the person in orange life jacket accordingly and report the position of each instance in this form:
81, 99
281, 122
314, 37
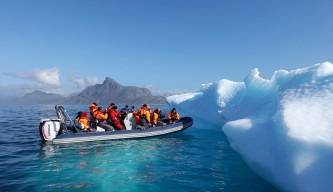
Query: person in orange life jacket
148, 109
150, 112
102, 120
157, 118
136, 113
144, 117
84, 120
93, 109
115, 122
173, 116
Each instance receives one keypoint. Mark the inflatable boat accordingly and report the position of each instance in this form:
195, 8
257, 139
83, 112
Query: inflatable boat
64, 130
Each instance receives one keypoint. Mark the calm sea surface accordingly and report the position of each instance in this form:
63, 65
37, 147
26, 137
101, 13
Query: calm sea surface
197, 159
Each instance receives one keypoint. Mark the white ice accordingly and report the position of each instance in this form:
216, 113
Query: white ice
282, 127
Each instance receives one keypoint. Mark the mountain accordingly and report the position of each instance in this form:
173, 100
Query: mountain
36, 97
108, 92
113, 92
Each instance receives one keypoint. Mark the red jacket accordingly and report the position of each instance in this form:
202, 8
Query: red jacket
114, 117
114, 114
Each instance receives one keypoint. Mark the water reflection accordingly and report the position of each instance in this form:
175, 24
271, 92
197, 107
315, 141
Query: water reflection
48, 150
113, 163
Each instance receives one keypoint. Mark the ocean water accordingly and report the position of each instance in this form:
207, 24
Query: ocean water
197, 159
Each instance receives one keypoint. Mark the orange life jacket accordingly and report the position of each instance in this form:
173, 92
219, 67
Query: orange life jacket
142, 113
155, 117
84, 121
137, 119
145, 114
93, 109
171, 114
100, 115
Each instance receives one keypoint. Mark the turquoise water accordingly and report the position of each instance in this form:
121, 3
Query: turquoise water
197, 159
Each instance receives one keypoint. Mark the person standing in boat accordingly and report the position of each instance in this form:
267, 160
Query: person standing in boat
114, 114
102, 120
157, 118
173, 116
143, 117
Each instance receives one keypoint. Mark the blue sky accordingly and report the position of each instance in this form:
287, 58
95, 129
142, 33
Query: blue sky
62, 46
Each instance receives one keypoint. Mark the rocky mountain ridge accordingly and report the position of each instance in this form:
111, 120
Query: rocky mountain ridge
110, 91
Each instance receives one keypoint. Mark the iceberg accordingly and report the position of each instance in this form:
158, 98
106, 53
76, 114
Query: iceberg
282, 127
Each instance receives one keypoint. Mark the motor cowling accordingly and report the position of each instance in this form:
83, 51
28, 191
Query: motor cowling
49, 129
130, 122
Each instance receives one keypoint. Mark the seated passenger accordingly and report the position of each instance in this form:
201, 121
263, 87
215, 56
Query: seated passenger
109, 108
144, 117
136, 114
102, 120
84, 120
115, 122
124, 112
151, 113
79, 114
157, 118
173, 116
93, 109
132, 109
125, 109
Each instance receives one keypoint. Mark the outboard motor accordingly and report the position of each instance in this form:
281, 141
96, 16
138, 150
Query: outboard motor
49, 129
130, 122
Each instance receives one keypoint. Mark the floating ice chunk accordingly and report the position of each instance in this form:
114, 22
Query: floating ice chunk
282, 127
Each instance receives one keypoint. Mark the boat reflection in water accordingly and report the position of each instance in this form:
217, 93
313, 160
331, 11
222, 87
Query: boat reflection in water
112, 164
